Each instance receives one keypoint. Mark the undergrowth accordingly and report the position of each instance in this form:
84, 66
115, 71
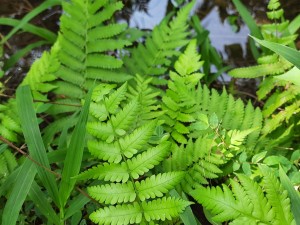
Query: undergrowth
125, 130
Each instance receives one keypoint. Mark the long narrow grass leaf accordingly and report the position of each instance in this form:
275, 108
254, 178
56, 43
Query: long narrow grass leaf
41, 202
34, 140
19, 192
39, 31
290, 54
19, 54
74, 154
45, 5
76, 205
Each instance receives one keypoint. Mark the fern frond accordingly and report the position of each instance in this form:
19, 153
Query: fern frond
180, 98
154, 57
84, 46
278, 198
247, 201
128, 154
198, 159
275, 68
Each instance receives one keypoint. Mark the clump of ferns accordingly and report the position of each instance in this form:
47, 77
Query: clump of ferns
275, 88
125, 137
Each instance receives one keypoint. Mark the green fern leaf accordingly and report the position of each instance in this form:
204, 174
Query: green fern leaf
113, 193
157, 185
119, 214
164, 208
106, 172
278, 198
145, 161
134, 142
247, 201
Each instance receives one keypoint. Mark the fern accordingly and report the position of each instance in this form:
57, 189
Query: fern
186, 102
179, 102
270, 64
7, 163
9, 123
248, 202
130, 192
278, 93
153, 58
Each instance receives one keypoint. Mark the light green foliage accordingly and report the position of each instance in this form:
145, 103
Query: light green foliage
276, 31
42, 72
280, 91
154, 57
186, 103
7, 163
179, 102
122, 140
246, 201
9, 123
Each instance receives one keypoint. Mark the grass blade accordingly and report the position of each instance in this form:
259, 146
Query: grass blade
254, 29
19, 192
20, 53
290, 54
42, 7
34, 140
74, 155
293, 194
39, 31
42, 203
76, 205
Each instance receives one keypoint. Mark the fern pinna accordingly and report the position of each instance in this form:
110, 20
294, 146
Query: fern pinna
248, 202
153, 57
131, 192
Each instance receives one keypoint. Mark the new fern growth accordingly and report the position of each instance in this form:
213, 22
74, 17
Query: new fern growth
131, 192
248, 202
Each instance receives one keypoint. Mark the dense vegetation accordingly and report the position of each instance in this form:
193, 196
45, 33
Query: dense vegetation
122, 126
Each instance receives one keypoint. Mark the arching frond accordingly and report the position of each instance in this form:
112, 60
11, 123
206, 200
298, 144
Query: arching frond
265, 203
154, 57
